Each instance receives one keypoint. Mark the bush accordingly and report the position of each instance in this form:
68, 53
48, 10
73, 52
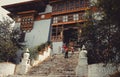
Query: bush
41, 48
7, 47
33, 53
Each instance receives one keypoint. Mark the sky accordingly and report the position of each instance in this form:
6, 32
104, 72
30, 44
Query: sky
3, 12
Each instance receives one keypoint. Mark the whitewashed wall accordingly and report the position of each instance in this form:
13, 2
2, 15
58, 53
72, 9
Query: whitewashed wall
39, 34
48, 8
97, 70
7, 69
57, 47
42, 57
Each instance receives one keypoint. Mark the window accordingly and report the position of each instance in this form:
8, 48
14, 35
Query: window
75, 17
71, 4
55, 20
56, 33
86, 3
67, 5
27, 22
65, 18
77, 4
81, 3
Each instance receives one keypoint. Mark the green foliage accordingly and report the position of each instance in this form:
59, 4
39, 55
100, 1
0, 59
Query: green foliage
102, 37
33, 53
7, 48
42, 47
17, 37
111, 10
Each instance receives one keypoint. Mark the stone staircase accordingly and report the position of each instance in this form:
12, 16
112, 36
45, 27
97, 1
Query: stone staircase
57, 66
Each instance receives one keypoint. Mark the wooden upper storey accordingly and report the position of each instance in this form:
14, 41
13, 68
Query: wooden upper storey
58, 6
26, 12
68, 6
68, 11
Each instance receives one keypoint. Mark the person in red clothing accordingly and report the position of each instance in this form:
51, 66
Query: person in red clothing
66, 51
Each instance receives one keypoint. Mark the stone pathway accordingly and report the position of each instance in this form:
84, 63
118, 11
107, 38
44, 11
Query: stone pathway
57, 66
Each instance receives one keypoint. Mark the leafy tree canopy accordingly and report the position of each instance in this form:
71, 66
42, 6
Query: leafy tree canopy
102, 37
9, 42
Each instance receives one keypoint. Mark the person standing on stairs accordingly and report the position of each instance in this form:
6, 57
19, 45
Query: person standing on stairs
66, 51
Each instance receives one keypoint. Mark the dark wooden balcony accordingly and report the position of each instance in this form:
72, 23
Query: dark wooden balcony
70, 11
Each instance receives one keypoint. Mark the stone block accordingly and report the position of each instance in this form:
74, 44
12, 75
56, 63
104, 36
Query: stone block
82, 61
98, 70
82, 71
22, 69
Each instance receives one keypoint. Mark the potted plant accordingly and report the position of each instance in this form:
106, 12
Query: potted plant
41, 48
33, 55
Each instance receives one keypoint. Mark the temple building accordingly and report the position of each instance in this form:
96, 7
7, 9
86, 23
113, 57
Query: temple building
58, 21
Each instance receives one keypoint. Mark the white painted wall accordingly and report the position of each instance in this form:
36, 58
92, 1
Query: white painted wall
39, 34
7, 69
97, 70
57, 47
42, 57
48, 8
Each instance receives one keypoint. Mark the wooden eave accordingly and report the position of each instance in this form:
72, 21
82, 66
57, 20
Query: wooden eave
11, 15
38, 5
54, 1
27, 12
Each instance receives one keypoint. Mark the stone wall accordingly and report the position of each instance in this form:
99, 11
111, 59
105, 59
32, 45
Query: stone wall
93, 70
99, 70
7, 69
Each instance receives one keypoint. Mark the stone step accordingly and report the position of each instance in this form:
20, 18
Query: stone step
57, 66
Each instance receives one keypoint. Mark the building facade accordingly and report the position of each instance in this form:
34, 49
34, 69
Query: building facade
58, 21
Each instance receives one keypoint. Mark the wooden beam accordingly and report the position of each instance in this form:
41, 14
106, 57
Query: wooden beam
70, 11
71, 22
26, 12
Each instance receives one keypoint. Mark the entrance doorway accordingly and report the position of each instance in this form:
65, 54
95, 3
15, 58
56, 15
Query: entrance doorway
70, 35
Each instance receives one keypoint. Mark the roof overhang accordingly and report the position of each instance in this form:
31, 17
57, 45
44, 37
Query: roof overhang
38, 5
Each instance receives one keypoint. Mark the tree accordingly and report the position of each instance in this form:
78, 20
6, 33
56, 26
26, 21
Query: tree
8, 43
17, 37
111, 19
103, 35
